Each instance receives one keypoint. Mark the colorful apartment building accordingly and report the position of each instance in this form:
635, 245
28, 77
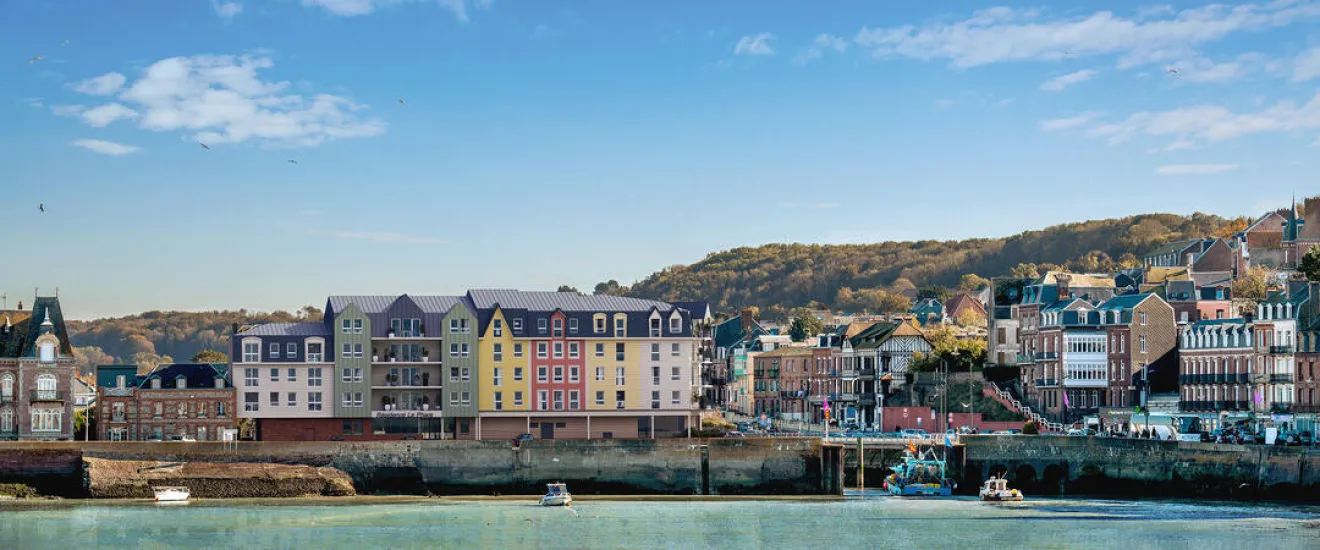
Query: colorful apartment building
36, 373
490, 364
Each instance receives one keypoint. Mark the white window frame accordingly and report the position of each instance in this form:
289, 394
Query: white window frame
497, 377
497, 351
497, 328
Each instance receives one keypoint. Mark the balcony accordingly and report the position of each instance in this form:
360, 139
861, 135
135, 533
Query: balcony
866, 373
118, 418
46, 395
1047, 355
1243, 378
1240, 405
1281, 378
1047, 382
1218, 405
847, 397
866, 399
1309, 408
1281, 350
1281, 407
6, 398
1025, 359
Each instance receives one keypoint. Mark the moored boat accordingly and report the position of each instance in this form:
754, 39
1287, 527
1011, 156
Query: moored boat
996, 489
171, 494
556, 494
919, 475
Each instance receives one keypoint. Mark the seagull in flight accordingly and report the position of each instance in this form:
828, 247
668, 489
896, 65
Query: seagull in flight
34, 60
1171, 70
42, 207
291, 161
204, 146
401, 101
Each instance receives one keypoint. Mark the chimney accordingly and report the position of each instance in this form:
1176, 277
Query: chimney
20, 305
233, 329
748, 321
1061, 281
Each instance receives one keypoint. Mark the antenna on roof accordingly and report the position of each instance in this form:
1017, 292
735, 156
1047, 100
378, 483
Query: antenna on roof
4, 301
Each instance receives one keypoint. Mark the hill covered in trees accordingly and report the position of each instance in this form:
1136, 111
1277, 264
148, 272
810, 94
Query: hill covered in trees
877, 277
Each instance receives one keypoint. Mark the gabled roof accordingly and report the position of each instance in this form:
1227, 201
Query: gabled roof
1212, 278
1127, 301
730, 333
198, 375
699, 310
1175, 247
787, 351
1158, 275
564, 301
907, 329
962, 301
20, 339
287, 329
380, 303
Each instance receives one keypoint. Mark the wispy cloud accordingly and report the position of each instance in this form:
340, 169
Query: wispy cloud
1004, 34
1058, 83
222, 99
226, 10
1307, 65
386, 237
351, 8
758, 44
1214, 123
105, 147
1068, 122
1194, 169
33, 102
818, 47
825, 205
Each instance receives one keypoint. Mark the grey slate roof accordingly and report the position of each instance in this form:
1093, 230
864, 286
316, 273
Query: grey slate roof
1212, 278
566, 301
379, 303
288, 329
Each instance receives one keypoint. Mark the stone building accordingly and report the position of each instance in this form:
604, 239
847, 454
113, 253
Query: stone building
184, 399
36, 373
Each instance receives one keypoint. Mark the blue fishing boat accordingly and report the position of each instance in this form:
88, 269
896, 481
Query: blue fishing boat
919, 475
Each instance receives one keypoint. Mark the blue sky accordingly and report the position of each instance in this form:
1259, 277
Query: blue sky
541, 143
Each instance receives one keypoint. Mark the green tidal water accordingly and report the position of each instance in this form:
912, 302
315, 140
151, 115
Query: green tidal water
879, 522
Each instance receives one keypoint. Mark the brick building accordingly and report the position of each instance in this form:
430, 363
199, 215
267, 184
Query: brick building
781, 378
36, 373
182, 399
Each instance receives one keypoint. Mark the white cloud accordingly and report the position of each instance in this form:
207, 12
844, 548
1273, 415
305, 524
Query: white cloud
1214, 123
67, 110
945, 103
226, 10
758, 44
825, 205
1194, 169
1307, 65
819, 46
1200, 70
100, 117
1058, 83
385, 237
221, 99
1067, 123
350, 8
105, 147
1180, 145
1004, 34
105, 84
34, 102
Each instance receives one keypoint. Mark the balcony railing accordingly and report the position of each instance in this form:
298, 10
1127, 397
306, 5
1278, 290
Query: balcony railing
7, 398
1306, 408
1281, 378
1025, 359
1243, 378
1240, 405
1046, 355
1280, 407
866, 373
1047, 382
47, 395
1284, 350
117, 418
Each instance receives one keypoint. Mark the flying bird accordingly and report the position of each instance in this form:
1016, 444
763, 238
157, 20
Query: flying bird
1067, 52
34, 60
291, 161
204, 146
42, 207
1171, 70
401, 101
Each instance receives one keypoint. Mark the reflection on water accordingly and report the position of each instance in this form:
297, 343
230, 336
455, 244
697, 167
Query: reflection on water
858, 522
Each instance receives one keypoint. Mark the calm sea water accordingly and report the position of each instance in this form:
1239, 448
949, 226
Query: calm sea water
880, 522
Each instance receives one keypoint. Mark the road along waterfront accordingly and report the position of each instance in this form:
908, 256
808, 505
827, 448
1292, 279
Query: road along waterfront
871, 522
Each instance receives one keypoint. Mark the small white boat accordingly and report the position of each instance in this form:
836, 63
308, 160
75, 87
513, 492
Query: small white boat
556, 494
996, 490
171, 494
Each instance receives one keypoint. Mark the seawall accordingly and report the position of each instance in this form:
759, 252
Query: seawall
1098, 466
676, 466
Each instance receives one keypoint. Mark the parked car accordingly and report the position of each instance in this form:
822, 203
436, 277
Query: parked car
1080, 432
736, 435
915, 434
182, 438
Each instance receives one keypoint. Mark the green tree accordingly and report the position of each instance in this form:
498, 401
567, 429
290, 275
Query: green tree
609, 288
1310, 264
971, 281
804, 325
1025, 271
210, 356
934, 291
1029, 428
1252, 285
566, 288
970, 318
1128, 261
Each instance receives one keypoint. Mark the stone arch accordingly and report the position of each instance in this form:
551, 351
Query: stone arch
1053, 479
1024, 476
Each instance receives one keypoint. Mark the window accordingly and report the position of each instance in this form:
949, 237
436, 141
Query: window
250, 377
274, 375
314, 354
314, 376
599, 325
540, 326
675, 397
517, 349
600, 374
559, 400
620, 327
655, 400
655, 352
517, 325
572, 326
675, 349
655, 328
314, 401
600, 398
600, 349
573, 350
453, 398
357, 326
274, 351
1143, 343
467, 398
467, 373
543, 400
1143, 318
676, 373
497, 328
497, 376
357, 398
618, 351
559, 373
573, 403
499, 352
619, 399
559, 350
251, 352
541, 374
347, 327
559, 328
352, 427
499, 401
464, 326
291, 399
466, 351
618, 376
541, 352
517, 374
675, 324
453, 373
517, 399
572, 374
290, 350
453, 326
250, 403
47, 420
274, 399
655, 376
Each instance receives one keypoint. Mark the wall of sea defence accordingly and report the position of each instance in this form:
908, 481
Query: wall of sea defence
105, 478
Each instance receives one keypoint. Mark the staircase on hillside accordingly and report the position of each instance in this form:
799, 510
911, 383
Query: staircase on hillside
1006, 399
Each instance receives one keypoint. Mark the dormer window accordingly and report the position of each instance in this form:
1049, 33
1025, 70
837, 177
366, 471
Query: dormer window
559, 328
219, 383
155, 383
517, 326
675, 324
121, 381
181, 383
541, 326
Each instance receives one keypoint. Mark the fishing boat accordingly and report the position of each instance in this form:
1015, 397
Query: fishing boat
556, 494
171, 494
919, 475
996, 490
